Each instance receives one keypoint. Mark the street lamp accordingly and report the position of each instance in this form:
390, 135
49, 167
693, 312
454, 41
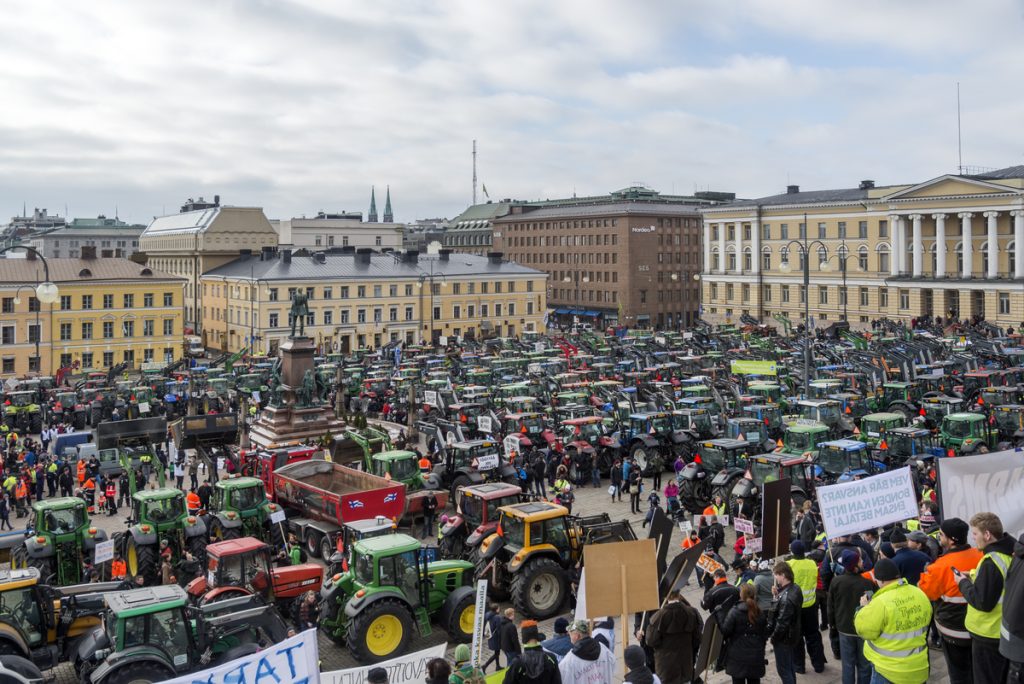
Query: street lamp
47, 292
785, 268
842, 255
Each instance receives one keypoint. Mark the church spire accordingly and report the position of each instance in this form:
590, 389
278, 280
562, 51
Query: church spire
388, 216
372, 218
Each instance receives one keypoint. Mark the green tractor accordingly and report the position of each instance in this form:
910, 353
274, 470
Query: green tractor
389, 589
141, 403
153, 635
874, 427
239, 508
802, 439
22, 412
62, 542
158, 515
968, 433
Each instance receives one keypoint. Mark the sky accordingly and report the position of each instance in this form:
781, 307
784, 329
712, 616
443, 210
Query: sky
300, 106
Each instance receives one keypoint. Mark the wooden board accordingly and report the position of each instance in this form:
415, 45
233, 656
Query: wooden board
610, 567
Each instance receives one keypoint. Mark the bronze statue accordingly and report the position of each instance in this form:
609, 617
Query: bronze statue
306, 395
300, 309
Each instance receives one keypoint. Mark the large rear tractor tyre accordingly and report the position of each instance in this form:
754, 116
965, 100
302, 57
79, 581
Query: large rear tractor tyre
725, 491
275, 537
695, 495
45, 568
220, 533
452, 547
137, 672
382, 631
35, 423
23, 669
459, 481
142, 561
495, 590
639, 452
312, 544
197, 547
540, 589
457, 614
327, 549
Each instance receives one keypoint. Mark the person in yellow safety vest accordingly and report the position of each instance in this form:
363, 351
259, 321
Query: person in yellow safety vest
805, 576
146, 460
983, 589
9, 484
894, 626
912, 524
716, 507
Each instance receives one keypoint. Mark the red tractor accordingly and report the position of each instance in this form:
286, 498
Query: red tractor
239, 567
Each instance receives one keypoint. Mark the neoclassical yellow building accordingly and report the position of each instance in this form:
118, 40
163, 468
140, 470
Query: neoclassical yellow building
946, 246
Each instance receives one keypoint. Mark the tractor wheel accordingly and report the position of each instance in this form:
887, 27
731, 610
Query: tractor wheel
19, 559
380, 632
798, 499
220, 533
639, 452
695, 495
79, 420
142, 561
457, 614
9, 649
25, 669
983, 449
604, 462
136, 672
45, 567
327, 549
540, 589
35, 423
197, 547
459, 481
312, 544
452, 546
274, 536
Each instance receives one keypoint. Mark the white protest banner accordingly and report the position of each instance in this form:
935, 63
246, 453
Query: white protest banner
538, 346
752, 546
293, 660
407, 669
256, 396
430, 397
483, 423
685, 526
872, 502
278, 516
744, 526
990, 483
581, 597
476, 652
104, 552
511, 446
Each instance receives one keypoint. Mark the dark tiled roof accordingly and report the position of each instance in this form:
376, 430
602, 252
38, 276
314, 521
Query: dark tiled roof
606, 209
1001, 174
341, 266
18, 270
805, 197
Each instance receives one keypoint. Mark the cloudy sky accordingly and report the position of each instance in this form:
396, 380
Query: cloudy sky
302, 105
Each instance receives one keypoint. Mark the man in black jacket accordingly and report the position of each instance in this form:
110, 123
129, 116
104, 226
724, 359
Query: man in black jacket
784, 621
843, 602
429, 509
1011, 635
534, 664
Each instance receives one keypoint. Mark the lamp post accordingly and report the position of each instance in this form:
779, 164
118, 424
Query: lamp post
576, 296
842, 255
804, 247
425, 277
47, 292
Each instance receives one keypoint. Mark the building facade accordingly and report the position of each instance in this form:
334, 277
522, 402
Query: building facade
337, 230
202, 237
361, 298
626, 258
472, 231
944, 247
110, 237
109, 311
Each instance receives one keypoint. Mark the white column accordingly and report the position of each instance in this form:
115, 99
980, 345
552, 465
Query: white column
1018, 240
707, 247
940, 245
993, 244
894, 256
968, 243
918, 255
721, 248
755, 249
739, 247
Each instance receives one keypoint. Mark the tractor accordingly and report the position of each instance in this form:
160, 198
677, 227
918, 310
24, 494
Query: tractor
469, 462
239, 508
581, 439
476, 518
907, 444
651, 434
1009, 421
142, 403
240, 567
62, 541
153, 635
533, 549
771, 467
842, 460
934, 409
22, 412
66, 408
827, 412
716, 467
964, 434
158, 515
802, 438
390, 589
751, 430
529, 427
875, 426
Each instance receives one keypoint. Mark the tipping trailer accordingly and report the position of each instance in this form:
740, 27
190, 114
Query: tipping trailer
319, 497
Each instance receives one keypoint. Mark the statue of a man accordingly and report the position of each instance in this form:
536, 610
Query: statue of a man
300, 309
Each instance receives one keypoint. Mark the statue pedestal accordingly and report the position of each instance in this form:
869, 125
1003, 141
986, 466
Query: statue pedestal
289, 425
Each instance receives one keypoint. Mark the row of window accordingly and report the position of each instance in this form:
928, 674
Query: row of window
92, 243
320, 240
345, 291
128, 356
241, 317
605, 240
127, 301
783, 233
107, 329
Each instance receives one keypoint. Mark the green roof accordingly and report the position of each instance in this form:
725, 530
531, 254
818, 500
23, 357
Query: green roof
396, 455
966, 417
58, 504
158, 494
238, 482
807, 429
883, 416
387, 544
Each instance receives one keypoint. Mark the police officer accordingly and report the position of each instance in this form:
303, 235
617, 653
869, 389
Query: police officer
894, 625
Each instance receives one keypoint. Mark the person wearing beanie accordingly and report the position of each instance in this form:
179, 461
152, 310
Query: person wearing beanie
589, 660
940, 586
559, 644
508, 638
843, 602
805, 576
894, 625
464, 670
910, 563
377, 675
983, 589
534, 664
636, 662
763, 582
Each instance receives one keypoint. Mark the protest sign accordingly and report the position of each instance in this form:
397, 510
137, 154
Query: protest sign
622, 577
104, 552
993, 482
476, 652
775, 517
679, 570
661, 532
739, 367
510, 445
744, 526
406, 669
685, 526
708, 564
483, 424
430, 397
869, 503
752, 546
293, 660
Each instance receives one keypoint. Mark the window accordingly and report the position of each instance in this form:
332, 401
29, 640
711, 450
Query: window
147, 300
842, 230
408, 313
33, 332
822, 231
33, 303
728, 292
883, 260
862, 229
148, 326
8, 305
86, 330
393, 314
273, 322
147, 355
1004, 302
823, 295
169, 327
8, 364
7, 334
108, 359
766, 293
483, 311
328, 317
883, 297
784, 231
643, 296
168, 299
377, 241
129, 357
128, 328
378, 314
437, 313
108, 330
497, 309
65, 302
108, 301
483, 288
904, 299
745, 292
862, 259
408, 290
392, 290
86, 359
766, 260
377, 290
344, 316
714, 290
512, 309
86, 301
344, 292
457, 288
272, 294
129, 301
863, 296
361, 291
361, 316
883, 229
65, 331
803, 230
435, 289
803, 294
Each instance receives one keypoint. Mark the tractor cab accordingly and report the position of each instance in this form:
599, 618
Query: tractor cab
769, 414
399, 466
905, 444
937, 408
852, 404
996, 396
522, 404
715, 455
476, 516
239, 567
771, 467
967, 433
1009, 421
695, 421
529, 426
842, 460
826, 411
819, 389
975, 381
802, 439
874, 427
62, 540
766, 392
751, 430
239, 508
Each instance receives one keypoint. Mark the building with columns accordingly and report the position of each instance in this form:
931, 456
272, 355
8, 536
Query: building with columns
946, 246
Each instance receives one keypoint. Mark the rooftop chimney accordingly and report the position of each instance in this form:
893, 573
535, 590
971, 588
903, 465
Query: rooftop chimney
245, 254
867, 184
216, 200
266, 253
495, 257
286, 256
88, 252
320, 257
363, 255
792, 189
444, 254
348, 249
412, 256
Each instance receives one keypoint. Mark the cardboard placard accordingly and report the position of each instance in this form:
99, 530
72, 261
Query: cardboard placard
277, 516
872, 502
622, 577
685, 526
752, 546
487, 462
708, 564
483, 424
430, 397
744, 526
104, 552
776, 517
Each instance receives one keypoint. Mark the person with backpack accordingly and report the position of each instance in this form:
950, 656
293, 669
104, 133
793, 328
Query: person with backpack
534, 664
616, 478
464, 672
492, 621
635, 488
